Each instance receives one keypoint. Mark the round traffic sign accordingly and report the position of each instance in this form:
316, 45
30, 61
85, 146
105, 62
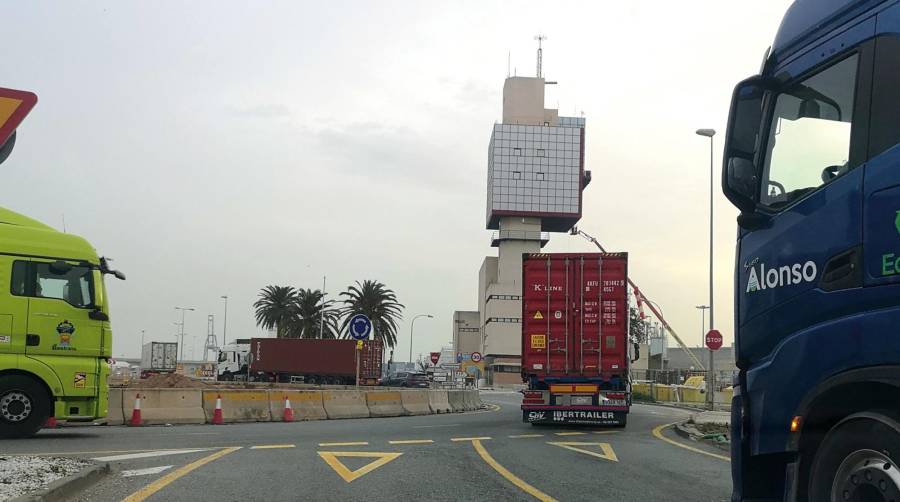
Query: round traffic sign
360, 327
476, 357
714, 339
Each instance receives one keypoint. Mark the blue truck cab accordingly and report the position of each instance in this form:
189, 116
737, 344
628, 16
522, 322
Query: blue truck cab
812, 161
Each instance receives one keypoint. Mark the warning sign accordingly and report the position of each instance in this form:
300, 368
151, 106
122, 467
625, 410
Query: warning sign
538, 341
538, 315
80, 380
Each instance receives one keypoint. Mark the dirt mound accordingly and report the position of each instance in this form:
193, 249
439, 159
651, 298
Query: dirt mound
169, 381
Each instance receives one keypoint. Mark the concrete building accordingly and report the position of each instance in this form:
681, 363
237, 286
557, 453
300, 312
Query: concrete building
535, 181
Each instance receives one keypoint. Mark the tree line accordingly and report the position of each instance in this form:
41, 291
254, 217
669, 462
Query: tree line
301, 313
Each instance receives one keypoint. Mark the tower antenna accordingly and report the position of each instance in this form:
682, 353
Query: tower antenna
540, 38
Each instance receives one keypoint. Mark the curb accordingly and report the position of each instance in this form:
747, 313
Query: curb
670, 405
686, 433
66, 487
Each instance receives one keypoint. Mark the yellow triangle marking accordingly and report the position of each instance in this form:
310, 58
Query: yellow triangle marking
538, 315
331, 458
605, 448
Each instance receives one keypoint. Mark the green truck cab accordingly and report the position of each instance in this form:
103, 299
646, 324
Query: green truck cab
55, 336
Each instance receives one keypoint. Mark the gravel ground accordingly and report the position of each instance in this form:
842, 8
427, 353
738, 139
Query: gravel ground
21, 475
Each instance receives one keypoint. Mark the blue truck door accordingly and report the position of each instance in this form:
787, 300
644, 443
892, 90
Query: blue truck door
812, 170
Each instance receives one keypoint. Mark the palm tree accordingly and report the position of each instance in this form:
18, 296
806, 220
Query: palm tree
276, 308
307, 319
379, 304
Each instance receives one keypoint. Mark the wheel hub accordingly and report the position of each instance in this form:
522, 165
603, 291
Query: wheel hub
866, 476
15, 406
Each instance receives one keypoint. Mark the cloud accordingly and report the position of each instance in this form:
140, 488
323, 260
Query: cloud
262, 111
392, 153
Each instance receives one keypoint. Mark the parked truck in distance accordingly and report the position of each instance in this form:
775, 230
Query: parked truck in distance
158, 357
293, 360
812, 162
575, 350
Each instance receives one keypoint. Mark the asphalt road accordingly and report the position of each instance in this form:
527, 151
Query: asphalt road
485, 455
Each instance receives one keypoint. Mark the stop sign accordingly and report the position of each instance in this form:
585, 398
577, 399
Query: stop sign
435, 357
714, 339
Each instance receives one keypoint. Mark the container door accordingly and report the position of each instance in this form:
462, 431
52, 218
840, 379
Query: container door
586, 337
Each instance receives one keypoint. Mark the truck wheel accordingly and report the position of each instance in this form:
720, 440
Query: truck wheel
858, 460
24, 406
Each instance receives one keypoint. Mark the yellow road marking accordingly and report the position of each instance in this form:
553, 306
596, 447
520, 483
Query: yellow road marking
352, 443
517, 436
512, 478
271, 446
96, 452
162, 482
608, 453
469, 439
571, 433
330, 458
657, 432
412, 441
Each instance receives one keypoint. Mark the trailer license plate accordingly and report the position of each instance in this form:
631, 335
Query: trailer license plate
581, 401
612, 402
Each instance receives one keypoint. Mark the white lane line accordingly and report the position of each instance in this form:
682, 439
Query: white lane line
145, 472
148, 454
433, 426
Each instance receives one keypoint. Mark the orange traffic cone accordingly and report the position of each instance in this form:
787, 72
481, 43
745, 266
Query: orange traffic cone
136, 412
51, 423
288, 412
217, 414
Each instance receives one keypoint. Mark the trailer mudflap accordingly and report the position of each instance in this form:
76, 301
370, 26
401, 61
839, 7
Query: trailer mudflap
583, 416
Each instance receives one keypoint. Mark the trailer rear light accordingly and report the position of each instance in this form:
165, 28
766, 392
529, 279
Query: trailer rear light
533, 394
615, 395
796, 422
570, 388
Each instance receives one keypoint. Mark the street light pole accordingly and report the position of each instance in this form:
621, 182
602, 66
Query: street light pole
411, 327
183, 310
703, 309
225, 326
710, 391
322, 311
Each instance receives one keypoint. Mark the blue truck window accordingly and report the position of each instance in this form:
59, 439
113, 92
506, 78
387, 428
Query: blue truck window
809, 134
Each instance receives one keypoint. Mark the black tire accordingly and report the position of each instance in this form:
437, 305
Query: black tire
24, 406
859, 460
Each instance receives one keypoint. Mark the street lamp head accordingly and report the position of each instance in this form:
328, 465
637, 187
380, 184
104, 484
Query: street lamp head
224, 297
702, 307
430, 316
709, 133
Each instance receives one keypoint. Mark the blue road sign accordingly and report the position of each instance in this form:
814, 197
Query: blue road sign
360, 327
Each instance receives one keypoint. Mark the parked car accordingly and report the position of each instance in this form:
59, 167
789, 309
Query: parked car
406, 379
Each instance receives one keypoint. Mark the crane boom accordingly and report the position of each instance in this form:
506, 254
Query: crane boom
576, 231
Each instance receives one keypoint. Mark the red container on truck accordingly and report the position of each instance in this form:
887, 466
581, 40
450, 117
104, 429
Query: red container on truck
575, 351
315, 361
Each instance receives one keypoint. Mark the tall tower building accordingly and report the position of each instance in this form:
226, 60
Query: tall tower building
535, 179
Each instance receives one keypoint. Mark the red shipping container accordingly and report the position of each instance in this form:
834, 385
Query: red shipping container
328, 358
575, 316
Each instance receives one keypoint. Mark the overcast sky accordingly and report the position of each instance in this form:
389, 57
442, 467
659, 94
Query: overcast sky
213, 148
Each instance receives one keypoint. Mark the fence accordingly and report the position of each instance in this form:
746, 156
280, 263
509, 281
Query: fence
724, 378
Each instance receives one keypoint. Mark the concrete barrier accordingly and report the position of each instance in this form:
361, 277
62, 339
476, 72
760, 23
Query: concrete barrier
238, 405
167, 406
345, 404
384, 403
415, 402
307, 404
475, 399
437, 401
457, 400
116, 415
